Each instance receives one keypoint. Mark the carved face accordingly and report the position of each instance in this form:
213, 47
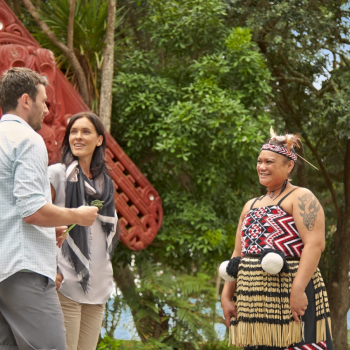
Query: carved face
272, 168
83, 139
38, 109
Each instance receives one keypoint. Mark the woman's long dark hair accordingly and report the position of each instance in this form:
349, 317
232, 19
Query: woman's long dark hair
98, 164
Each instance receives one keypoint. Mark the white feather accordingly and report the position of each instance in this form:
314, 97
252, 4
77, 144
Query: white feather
272, 133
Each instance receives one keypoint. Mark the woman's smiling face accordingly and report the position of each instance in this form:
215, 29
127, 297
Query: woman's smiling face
273, 169
83, 138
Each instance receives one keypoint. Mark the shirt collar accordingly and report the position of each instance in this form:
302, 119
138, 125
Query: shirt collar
15, 118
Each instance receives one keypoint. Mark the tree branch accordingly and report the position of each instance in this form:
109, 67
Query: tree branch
298, 80
324, 172
264, 31
70, 34
303, 79
346, 61
292, 113
65, 49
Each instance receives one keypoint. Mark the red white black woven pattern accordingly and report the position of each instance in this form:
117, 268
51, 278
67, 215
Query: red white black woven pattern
279, 149
319, 346
270, 227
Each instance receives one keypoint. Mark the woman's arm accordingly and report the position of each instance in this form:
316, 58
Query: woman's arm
309, 220
228, 306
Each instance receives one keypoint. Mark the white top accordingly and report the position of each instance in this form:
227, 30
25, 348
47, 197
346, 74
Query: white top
24, 189
101, 272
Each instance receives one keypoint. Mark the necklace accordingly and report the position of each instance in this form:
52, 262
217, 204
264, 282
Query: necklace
272, 192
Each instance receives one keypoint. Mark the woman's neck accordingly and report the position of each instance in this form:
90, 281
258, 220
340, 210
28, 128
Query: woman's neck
274, 188
85, 166
275, 191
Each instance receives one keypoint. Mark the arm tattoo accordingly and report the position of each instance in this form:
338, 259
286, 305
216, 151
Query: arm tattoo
309, 207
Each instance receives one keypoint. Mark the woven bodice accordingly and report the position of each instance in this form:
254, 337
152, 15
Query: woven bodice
270, 227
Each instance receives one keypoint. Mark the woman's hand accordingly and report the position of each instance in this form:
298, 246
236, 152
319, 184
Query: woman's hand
59, 238
298, 304
59, 279
229, 309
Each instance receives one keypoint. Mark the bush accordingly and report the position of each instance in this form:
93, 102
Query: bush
107, 343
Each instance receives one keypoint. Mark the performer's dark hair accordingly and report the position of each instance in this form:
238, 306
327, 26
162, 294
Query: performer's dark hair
286, 159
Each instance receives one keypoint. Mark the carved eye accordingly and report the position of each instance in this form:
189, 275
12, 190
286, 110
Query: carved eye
1, 26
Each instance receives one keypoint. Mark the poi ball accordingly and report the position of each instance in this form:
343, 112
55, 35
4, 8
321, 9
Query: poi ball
272, 263
223, 273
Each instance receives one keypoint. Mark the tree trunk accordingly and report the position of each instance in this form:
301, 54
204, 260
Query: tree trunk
147, 326
108, 68
339, 288
125, 281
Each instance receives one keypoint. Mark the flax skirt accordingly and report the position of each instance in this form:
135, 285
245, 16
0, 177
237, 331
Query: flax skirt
264, 319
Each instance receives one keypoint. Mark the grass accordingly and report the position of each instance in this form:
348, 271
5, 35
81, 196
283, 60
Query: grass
130, 344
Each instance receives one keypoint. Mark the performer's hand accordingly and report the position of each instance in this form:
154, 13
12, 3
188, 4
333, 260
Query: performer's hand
298, 304
229, 309
59, 238
59, 279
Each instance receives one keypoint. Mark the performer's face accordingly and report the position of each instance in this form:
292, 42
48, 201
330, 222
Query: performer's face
273, 168
83, 139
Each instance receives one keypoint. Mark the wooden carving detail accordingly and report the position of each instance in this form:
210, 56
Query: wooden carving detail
138, 204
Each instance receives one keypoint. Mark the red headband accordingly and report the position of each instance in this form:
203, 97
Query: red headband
280, 150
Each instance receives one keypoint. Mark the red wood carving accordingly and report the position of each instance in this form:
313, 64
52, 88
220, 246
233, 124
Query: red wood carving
138, 204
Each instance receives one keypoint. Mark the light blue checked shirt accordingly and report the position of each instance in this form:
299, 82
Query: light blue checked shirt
24, 189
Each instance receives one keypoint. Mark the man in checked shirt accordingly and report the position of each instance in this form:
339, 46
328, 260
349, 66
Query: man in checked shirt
30, 312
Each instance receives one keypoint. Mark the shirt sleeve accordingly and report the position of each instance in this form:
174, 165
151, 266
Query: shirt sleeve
30, 176
56, 175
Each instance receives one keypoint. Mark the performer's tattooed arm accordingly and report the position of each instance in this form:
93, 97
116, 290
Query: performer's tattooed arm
309, 207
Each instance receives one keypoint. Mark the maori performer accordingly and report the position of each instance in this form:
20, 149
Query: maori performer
278, 300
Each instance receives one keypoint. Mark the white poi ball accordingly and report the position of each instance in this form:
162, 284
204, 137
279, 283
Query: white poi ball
272, 263
223, 273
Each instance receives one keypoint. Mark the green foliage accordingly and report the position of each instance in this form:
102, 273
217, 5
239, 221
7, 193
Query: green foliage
90, 24
218, 346
151, 344
190, 111
89, 27
184, 27
175, 303
189, 107
239, 39
114, 308
108, 343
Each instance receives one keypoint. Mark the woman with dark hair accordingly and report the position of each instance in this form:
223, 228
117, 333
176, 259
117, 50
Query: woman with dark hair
278, 300
84, 270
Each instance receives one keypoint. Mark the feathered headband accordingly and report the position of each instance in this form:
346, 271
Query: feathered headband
286, 148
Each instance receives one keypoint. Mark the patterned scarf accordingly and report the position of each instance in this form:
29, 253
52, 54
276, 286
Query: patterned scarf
82, 191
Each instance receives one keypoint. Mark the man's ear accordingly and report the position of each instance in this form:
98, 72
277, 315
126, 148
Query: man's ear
25, 101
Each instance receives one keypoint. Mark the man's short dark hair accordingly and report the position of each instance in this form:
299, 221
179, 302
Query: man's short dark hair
18, 81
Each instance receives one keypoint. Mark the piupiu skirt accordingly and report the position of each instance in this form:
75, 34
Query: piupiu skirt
264, 318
